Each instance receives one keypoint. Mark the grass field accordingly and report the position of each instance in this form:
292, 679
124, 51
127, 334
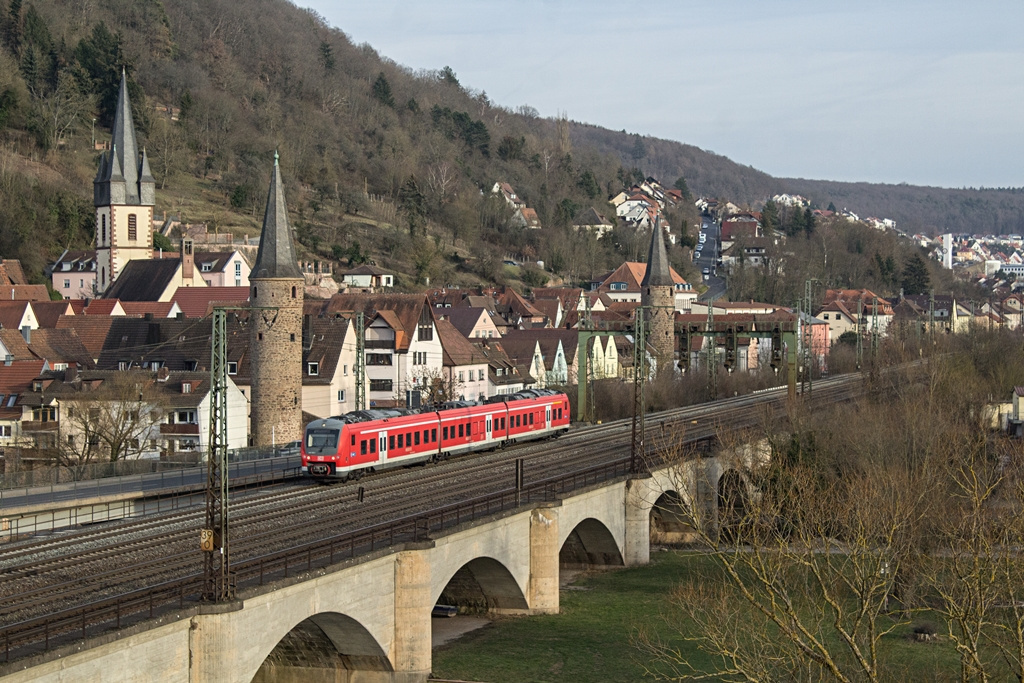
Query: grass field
589, 639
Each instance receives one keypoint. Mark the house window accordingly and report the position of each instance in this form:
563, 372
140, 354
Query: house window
291, 336
67, 284
81, 282
103, 231
426, 332
480, 375
380, 385
44, 414
206, 267
313, 368
341, 395
232, 367
462, 377
293, 293
5, 430
186, 417
345, 370
186, 387
123, 364
133, 227
375, 359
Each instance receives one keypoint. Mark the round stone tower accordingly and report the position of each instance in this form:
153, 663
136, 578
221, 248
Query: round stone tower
657, 296
275, 332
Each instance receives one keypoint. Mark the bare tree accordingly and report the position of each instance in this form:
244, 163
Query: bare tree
109, 422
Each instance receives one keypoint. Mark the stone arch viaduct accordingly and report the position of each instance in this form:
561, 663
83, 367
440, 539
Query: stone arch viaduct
369, 620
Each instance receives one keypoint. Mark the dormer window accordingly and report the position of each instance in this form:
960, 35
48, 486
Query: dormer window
313, 369
232, 367
186, 387
206, 267
37, 386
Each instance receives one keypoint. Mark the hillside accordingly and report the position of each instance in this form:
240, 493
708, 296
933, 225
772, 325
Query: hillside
383, 163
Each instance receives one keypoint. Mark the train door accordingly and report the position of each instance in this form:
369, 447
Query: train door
382, 446
488, 426
547, 417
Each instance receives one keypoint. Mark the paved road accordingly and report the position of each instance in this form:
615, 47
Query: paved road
188, 479
709, 259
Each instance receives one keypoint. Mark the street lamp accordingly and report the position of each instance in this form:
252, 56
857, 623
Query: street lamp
94, 133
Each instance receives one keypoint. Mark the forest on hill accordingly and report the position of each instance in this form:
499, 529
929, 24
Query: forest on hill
382, 162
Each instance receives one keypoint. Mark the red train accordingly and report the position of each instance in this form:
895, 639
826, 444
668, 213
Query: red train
367, 440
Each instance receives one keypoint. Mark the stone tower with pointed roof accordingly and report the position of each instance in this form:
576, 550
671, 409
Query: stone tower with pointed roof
275, 333
657, 296
124, 193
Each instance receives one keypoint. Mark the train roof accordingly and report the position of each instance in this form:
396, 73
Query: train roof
357, 416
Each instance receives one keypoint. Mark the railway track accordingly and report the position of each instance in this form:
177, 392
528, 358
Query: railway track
140, 569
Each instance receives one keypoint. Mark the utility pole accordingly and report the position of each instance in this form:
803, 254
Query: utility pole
931, 316
860, 333
712, 354
217, 583
637, 453
874, 329
360, 368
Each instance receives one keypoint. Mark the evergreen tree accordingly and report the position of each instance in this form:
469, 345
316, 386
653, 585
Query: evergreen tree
12, 27
770, 217
832, 207
412, 204
808, 221
681, 185
382, 91
100, 56
916, 279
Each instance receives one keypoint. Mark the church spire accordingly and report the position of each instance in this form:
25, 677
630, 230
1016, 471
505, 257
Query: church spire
134, 185
123, 138
276, 256
659, 273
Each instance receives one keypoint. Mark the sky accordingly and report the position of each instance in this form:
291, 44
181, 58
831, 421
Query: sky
926, 92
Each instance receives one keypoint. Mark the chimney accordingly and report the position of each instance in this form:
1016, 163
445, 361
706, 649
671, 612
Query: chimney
71, 373
26, 332
187, 259
162, 374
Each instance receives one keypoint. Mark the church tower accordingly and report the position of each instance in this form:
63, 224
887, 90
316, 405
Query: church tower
275, 334
657, 296
124, 193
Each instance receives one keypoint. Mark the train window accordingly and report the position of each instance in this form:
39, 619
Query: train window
362, 447
417, 438
353, 440
433, 435
391, 442
461, 432
531, 418
401, 440
426, 436
373, 445
444, 433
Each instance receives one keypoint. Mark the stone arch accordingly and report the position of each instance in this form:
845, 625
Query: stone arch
483, 585
590, 542
327, 645
732, 501
671, 520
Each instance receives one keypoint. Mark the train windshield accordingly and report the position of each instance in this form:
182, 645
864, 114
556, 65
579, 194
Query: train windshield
321, 439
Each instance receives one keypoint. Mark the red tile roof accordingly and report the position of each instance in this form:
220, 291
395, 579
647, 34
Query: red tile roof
198, 302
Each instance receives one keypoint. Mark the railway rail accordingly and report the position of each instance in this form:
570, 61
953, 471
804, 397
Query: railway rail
143, 569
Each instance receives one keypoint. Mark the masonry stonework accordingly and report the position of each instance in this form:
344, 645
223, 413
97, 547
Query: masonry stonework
275, 345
